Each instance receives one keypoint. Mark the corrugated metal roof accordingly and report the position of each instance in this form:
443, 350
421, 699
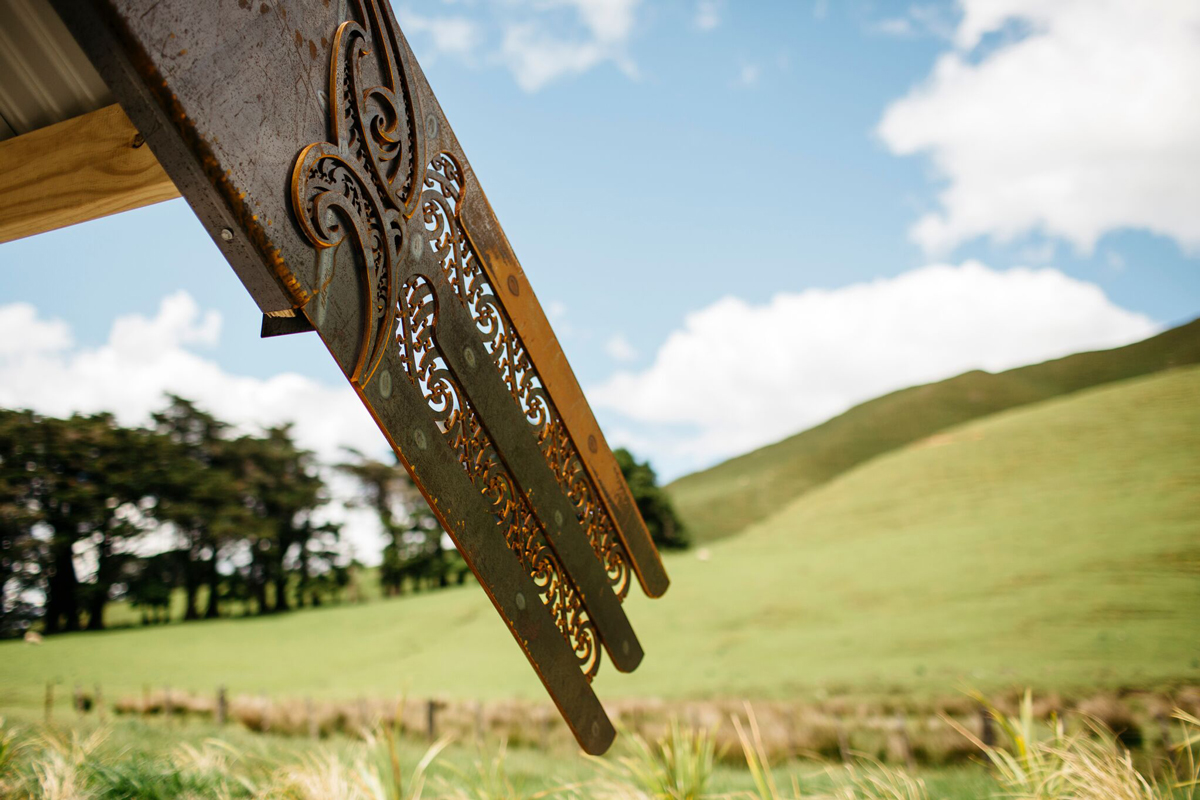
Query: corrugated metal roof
44, 76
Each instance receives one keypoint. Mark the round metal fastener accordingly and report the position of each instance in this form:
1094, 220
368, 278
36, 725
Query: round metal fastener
415, 243
595, 729
558, 519
227, 234
520, 601
418, 437
385, 384
593, 445
625, 647
513, 286
431, 126
469, 356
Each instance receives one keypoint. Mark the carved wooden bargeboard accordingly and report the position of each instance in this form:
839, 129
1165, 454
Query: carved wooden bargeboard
305, 137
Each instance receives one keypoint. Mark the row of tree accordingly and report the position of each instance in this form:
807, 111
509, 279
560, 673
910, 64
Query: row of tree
92, 512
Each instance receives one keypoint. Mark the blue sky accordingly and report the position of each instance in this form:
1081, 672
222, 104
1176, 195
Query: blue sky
742, 217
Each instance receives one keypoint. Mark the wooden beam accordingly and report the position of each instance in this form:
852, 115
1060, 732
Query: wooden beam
76, 170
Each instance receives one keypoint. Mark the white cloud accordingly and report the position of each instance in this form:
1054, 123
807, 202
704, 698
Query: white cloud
538, 52
619, 348
708, 15
144, 358
22, 333
1086, 124
737, 375
538, 41
895, 26
457, 36
749, 74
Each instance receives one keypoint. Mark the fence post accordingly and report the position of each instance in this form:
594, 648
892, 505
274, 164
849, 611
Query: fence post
363, 721
843, 741
903, 746
432, 710
1164, 731
222, 707
49, 701
987, 730
77, 699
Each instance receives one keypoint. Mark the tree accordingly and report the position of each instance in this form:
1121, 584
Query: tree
88, 481
283, 490
20, 551
653, 503
199, 484
414, 549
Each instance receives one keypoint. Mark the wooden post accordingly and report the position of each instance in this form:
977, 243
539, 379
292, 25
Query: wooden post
222, 707
1164, 732
843, 741
77, 699
902, 744
987, 729
314, 731
49, 702
432, 710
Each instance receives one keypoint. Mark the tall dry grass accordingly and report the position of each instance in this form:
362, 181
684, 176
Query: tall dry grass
1035, 759
1046, 762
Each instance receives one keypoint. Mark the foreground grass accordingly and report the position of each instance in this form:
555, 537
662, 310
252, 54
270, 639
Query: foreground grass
724, 500
134, 759
1053, 546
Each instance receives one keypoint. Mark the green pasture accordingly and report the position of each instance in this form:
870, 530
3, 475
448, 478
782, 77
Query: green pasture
726, 499
1056, 545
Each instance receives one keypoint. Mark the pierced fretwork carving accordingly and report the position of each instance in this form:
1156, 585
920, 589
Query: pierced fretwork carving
425, 366
440, 203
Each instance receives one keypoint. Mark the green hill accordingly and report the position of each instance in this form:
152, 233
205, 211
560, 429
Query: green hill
1055, 546
724, 499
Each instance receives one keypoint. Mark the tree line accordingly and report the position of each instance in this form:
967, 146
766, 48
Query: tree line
93, 512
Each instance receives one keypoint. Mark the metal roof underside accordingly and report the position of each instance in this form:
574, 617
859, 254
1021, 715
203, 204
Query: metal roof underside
44, 76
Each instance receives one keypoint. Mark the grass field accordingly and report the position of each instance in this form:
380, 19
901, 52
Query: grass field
1056, 545
727, 498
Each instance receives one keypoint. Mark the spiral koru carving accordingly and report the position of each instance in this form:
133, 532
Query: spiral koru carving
440, 203
363, 182
427, 369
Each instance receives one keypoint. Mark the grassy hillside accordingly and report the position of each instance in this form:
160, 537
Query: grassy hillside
723, 500
1056, 546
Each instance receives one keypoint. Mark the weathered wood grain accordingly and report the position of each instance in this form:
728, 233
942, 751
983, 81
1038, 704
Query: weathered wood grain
74, 171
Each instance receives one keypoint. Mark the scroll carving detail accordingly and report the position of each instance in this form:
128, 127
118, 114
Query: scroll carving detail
440, 203
361, 183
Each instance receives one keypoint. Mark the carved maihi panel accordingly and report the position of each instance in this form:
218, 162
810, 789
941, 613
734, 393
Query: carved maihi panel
389, 181
306, 139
